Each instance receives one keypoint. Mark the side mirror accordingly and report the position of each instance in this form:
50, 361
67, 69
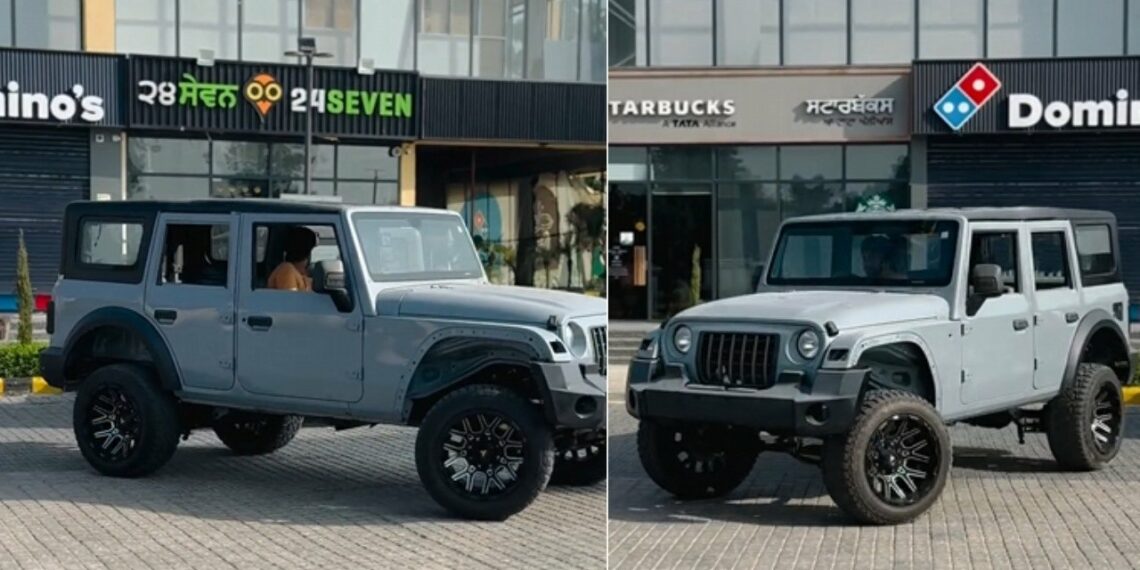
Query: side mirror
985, 278
329, 279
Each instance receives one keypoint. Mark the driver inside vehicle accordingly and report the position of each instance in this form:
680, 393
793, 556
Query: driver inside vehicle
292, 274
880, 258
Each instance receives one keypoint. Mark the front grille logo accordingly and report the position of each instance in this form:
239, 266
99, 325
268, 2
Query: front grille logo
963, 100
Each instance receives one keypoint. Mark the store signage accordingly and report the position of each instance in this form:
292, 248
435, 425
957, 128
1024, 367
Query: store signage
856, 110
683, 113
263, 91
247, 97
75, 104
1027, 111
963, 100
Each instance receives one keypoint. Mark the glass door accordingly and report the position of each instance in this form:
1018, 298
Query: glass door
628, 257
681, 246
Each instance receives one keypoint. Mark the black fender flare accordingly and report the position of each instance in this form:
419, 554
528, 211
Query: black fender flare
455, 358
1093, 322
131, 321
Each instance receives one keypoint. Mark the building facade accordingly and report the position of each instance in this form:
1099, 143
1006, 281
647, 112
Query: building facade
474, 106
729, 116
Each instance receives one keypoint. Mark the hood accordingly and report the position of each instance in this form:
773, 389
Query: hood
847, 309
478, 302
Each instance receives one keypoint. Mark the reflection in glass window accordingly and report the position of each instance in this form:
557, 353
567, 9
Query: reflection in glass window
288, 161
882, 31
1133, 27
210, 24
110, 243
269, 29
48, 24
146, 26
366, 163
167, 188
746, 163
251, 187
949, 29
748, 215
557, 58
593, 42
389, 33
169, 156
815, 32
445, 37
333, 24
628, 163
233, 157
491, 45
680, 163
804, 197
368, 193
627, 33
680, 33
811, 162
1090, 27
1020, 28
748, 32
877, 161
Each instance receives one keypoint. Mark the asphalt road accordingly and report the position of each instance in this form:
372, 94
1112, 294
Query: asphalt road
328, 500
1005, 506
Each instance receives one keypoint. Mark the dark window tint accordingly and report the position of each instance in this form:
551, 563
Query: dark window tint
1050, 261
1094, 249
999, 249
109, 243
269, 248
196, 254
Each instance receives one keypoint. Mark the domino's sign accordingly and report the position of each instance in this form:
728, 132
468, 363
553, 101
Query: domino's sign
1026, 111
967, 96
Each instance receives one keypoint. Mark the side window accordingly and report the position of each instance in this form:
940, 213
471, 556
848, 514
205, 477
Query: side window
1094, 250
285, 254
106, 243
998, 248
195, 254
1050, 261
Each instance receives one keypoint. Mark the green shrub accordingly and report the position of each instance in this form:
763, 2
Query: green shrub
20, 360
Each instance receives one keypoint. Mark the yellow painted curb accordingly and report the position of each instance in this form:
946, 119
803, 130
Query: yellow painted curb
40, 386
1, 385
1132, 395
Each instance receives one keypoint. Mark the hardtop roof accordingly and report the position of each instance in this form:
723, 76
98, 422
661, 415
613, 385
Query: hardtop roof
981, 214
228, 206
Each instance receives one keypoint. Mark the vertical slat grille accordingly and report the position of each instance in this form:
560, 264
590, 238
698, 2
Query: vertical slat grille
737, 359
598, 336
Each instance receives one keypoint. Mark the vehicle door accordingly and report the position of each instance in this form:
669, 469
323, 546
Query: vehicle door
295, 344
1056, 299
997, 341
190, 295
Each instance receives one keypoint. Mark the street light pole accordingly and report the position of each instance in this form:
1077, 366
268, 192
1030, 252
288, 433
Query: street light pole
307, 49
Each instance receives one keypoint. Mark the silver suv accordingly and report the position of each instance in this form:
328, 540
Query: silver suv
870, 333
174, 316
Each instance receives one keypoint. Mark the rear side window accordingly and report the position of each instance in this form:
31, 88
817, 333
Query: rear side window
1050, 261
109, 244
1094, 250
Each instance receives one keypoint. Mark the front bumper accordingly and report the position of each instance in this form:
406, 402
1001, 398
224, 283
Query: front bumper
827, 407
574, 394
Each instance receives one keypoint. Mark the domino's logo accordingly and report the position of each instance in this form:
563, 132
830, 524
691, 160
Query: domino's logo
963, 100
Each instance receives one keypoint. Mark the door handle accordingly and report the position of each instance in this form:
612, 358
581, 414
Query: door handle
165, 316
1071, 317
1020, 324
259, 322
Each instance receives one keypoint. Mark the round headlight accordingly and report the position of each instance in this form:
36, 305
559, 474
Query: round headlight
576, 339
808, 344
683, 339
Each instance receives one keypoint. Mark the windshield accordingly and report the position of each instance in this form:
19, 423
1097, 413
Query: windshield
411, 246
910, 253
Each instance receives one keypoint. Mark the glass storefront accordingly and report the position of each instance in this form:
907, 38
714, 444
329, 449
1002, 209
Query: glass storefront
690, 224
181, 169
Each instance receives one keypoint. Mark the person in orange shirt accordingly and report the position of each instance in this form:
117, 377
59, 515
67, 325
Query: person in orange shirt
293, 273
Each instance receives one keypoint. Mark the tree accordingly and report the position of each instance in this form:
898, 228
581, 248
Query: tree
25, 301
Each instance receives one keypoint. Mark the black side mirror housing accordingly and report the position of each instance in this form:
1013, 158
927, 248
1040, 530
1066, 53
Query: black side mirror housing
329, 278
985, 278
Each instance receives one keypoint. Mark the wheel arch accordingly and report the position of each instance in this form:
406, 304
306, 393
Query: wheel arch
908, 367
117, 334
1099, 339
457, 361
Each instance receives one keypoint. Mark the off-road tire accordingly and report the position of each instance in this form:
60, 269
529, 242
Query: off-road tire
582, 466
157, 420
844, 458
726, 457
257, 434
1070, 414
537, 451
